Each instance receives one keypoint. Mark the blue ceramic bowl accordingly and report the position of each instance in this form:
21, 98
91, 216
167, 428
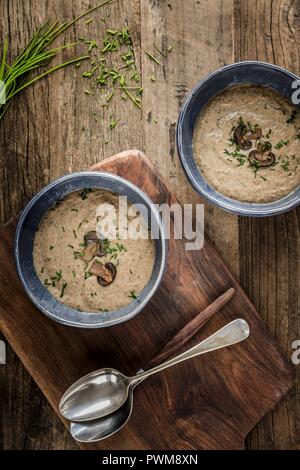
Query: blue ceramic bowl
258, 73
28, 224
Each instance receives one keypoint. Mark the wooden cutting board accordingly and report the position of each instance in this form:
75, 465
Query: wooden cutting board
210, 402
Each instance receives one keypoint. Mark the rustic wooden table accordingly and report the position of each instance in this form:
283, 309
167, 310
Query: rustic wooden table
51, 129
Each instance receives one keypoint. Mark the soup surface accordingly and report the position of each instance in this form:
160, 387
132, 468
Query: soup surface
78, 268
247, 144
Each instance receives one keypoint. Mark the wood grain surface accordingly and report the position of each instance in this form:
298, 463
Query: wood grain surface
228, 390
42, 137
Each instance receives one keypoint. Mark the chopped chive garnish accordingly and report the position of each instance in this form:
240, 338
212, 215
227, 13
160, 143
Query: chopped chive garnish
160, 51
292, 117
132, 295
75, 234
64, 286
74, 274
84, 193
113, 124
51, 247
110, 96
151, 56
281, 143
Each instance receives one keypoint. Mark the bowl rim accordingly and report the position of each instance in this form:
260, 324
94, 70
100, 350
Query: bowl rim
229, 204
138, 305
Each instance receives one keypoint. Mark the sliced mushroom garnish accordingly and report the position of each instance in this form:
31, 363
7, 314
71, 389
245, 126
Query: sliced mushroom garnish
90, 237
239, 137
256, 134
89, 251
105, 273
261, 159
243, 137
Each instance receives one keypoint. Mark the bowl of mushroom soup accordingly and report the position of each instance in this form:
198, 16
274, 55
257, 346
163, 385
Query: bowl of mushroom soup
70, 269
238, 138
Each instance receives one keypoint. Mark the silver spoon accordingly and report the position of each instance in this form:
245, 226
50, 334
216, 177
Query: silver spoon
102, 392
96, 430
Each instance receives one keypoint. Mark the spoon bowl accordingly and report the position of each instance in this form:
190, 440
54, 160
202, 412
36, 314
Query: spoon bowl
98, 429
102, 392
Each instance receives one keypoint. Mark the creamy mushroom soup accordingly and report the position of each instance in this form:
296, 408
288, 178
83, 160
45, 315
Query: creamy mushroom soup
78, 268
247, 144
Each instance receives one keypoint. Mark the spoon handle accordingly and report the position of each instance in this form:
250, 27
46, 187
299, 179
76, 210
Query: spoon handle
232, 333
189, 330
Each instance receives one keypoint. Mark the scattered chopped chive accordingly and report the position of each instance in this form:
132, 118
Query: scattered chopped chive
51, 247
285, 165
269, 134
42, 269
263, 178
160, 52
74, 274
110, 96
89, 21
297, 136
266, 145
63, 289
121, 247
78, 64
71, 246
153, 79
91, 44
74, 209
87, 274
63, 228
113, 124
151, 56
106, 142
87, 92
155, 120
75, 234
84, 193
132, 98
292, 117
57, 277
281, 143
132, 295
135, 76
170, 48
